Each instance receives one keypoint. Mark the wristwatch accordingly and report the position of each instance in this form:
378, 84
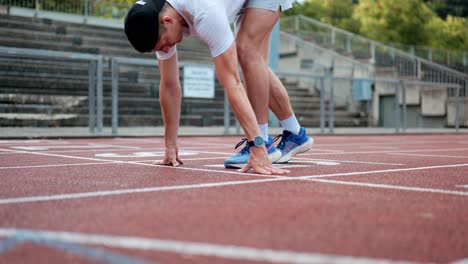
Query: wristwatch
256, 142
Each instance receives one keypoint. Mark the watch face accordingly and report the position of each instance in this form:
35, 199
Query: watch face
258, 141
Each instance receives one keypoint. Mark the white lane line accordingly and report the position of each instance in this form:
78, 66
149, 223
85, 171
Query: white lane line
58, 165
394, 187
233, 252
396, 142
32, 141
310, 153
426, 155
462, 186
130, 191
74, 151
146, 164
377, 147
269, 178
88, 146
184, 159
346, 161
384, 171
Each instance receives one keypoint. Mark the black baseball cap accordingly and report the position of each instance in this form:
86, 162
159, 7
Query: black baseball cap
142, 24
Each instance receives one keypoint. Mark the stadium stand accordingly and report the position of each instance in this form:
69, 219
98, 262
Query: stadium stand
44, 92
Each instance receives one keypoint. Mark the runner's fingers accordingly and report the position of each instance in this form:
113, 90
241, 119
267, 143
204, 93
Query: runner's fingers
246, 168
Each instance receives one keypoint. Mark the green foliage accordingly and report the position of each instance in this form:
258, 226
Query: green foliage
394, 21
445, 8
337, 13
450, 34
410, 22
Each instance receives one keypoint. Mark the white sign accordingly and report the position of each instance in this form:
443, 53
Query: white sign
199, 81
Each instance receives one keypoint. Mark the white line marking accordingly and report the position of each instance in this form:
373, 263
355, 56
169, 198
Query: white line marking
395, 187
129, 191
270, 178
385, 171
348, 161
144, 164
426, 155
89, 146
462, 186
386, 141
384, 151
376, 147
316, 162
58, 165
142, 154
461, 261
196, 248
184, 159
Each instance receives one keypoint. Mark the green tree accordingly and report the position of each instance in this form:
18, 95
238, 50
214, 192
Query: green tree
336, 13
394, 21
445, 8
450, 34
339, 14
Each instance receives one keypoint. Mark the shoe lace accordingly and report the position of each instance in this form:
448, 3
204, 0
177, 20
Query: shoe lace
246, 149
283, 138
282, 142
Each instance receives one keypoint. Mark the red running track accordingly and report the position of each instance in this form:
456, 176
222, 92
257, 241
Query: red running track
352, 199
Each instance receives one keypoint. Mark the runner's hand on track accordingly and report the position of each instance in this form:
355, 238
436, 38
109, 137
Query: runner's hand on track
259, 162
171, 157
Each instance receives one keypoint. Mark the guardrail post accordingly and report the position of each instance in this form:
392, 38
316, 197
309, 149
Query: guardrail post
333, 38
322, 105
397, 108
418, 61
465, 61
403, 98
100, 96
457, 109
115, 96
86, 11
36, 8
296, 25
348, 44
331, 104
92, 96
372, 51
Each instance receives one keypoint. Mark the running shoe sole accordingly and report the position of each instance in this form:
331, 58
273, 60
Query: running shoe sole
298, 150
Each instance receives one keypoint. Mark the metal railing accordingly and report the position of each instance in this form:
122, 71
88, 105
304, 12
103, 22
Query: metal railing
95, 77
327, 83
86, 8
386, 58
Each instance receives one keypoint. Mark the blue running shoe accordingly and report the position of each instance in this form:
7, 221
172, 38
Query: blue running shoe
291, 144
238, 160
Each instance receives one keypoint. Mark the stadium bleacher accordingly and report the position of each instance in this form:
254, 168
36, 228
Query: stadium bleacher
54, 93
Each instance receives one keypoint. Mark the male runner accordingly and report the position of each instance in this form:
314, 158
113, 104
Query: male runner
157, 25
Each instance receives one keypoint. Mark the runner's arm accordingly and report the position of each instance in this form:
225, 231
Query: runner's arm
170, 96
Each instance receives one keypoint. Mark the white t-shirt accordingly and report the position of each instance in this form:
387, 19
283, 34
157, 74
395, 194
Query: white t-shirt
208, 20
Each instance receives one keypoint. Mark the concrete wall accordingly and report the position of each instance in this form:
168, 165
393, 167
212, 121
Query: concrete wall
451, 113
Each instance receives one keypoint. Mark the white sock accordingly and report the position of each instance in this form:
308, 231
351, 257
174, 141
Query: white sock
291, 124
264, 131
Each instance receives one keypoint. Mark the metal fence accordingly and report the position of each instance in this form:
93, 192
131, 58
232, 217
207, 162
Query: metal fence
394, 62
86, 8
332, 106
27, 59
